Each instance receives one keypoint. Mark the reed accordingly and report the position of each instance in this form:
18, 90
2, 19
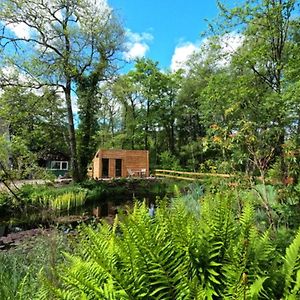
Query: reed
55, 198
68, 200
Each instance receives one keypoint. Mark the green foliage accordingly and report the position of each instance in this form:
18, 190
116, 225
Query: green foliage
168, 161
83, 58
67, 201
21, 268
214, 252
35, 128
44, 197
233, 110
291, 269
55, 198
276, 206
5, 200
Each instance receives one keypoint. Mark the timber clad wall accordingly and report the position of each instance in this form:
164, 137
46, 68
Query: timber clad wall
132, 162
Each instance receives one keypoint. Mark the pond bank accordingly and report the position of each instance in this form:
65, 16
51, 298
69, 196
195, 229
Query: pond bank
103, 200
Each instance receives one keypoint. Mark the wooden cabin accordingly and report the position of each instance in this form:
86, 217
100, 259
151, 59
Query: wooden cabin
120, 163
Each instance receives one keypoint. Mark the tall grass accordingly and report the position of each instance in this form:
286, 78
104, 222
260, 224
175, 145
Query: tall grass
68, 200
20, 268
55, 198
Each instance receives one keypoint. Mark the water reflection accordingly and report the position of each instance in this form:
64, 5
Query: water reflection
46, 218
103, 210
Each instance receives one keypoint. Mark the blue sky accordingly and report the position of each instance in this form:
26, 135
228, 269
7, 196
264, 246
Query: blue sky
167, 31
160, 29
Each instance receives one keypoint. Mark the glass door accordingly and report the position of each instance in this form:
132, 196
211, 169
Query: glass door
118, 168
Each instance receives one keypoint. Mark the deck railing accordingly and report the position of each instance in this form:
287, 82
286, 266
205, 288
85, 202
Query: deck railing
188, 175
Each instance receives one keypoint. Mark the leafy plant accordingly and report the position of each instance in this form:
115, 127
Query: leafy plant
169, 161
211, 253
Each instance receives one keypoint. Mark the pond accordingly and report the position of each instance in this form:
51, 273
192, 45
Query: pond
21, 226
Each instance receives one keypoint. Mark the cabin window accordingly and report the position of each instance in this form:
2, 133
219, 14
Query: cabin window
59, 165
64, 165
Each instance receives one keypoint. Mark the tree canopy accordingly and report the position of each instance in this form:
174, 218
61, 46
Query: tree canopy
65, 42
231, 109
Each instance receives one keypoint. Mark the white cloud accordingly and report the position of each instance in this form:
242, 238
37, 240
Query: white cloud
102, 5
11, 73
230, 42
135, 37
181, 55
21, 30
137, 50
228, 45
137, 45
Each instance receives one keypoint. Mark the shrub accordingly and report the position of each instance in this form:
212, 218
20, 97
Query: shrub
168, 161
4, 200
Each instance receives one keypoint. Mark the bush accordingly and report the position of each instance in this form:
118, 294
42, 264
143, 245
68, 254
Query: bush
168, 161
4, 200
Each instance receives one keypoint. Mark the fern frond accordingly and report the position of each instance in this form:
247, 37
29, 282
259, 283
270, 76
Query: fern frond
256, 288
291, 267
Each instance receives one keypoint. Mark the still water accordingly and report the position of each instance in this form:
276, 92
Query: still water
91, 210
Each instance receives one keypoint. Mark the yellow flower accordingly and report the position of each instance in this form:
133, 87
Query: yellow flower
217, 139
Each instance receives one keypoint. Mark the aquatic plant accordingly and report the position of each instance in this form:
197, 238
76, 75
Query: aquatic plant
68, 200
63, 198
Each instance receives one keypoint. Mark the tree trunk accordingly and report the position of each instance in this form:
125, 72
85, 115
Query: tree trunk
71, 129
67, 90
147, 126
172, 139
85, 149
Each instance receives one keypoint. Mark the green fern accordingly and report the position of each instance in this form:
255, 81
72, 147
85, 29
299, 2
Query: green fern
178, 254
291, 269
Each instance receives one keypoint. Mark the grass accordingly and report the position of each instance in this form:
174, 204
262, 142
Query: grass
21, 267
68, 200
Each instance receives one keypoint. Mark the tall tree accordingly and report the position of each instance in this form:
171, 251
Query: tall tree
267, 47
166, 109
147, 78
64, 42
126, 93
39, 120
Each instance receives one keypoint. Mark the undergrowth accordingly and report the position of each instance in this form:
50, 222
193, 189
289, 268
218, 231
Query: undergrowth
213, 251
21, 267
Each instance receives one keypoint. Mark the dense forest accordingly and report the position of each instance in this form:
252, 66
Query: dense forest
231, 112
232, 108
